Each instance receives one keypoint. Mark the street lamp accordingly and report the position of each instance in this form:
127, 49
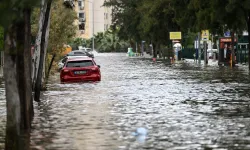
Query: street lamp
93, 40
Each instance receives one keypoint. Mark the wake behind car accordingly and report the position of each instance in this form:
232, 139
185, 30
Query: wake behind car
80, 69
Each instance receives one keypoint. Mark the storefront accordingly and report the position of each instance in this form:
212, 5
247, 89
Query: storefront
225, 50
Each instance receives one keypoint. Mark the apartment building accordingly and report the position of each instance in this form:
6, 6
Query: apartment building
92, 17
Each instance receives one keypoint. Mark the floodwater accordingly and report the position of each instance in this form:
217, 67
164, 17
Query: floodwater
182, 107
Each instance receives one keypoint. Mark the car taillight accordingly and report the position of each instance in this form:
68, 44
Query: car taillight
95, 70
65, 71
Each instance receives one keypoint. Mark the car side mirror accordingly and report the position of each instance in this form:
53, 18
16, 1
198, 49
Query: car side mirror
98, 66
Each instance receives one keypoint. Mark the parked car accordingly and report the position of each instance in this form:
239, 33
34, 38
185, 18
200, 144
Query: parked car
64, 59
80, 53
80, 69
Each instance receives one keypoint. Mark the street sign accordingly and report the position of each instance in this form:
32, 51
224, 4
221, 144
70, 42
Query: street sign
175, 35
205, 35
227, 34
196, 44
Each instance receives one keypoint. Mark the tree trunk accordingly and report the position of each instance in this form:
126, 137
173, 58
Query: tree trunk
232, 50
154, 50
44, 39
17, 75
248, 26
50, 66
12, 94
29, 110
36, 55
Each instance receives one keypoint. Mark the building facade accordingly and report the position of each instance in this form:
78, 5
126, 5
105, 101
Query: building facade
92, 17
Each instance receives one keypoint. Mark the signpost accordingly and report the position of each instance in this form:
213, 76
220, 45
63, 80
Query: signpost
205, 38
205, 35
199, 47
175, 36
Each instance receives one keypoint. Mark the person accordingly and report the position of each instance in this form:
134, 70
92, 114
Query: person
228, 54
225, 53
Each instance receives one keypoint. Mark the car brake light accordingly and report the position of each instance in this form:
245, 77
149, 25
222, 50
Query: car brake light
94, 70
65, 70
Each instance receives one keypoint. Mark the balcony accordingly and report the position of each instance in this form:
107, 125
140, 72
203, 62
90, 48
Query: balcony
69, 3
82, 19
81, 7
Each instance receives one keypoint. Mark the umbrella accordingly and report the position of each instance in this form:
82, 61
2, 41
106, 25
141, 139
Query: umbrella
177, 45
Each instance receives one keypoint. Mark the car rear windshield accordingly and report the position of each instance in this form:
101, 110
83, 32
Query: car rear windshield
82, 63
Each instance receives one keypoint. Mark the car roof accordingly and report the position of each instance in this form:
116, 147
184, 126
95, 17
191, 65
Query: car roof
79, 50
76, 56
79, 58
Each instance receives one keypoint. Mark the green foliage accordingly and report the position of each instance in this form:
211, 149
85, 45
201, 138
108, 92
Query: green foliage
110, 42
80, 42
62, 28
11, 10
144, 19
153, 20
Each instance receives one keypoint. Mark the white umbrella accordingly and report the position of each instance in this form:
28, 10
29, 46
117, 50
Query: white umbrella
177, 45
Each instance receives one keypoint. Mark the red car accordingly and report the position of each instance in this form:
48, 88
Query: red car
80, 69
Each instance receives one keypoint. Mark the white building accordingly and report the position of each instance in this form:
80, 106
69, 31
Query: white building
87, 24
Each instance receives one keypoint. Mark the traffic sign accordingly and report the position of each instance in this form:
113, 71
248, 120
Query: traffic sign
205, 35
175, 35
227, 34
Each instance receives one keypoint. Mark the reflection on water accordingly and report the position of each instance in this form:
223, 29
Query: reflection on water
183, 106
2, 114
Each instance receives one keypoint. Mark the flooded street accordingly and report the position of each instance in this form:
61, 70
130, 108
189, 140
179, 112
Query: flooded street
182, 106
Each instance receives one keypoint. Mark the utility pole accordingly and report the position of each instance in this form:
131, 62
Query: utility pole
205, 53
136, 48
232, 51
93, 38
199, 47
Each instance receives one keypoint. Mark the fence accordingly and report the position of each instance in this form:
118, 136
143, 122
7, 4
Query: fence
242, 56
188, 53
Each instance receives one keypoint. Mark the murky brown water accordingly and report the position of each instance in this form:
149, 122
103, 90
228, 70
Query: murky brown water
183, 106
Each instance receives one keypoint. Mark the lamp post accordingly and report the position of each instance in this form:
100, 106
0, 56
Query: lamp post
93, 40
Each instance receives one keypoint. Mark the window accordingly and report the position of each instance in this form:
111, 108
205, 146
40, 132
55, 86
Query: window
80, 3
81, 15
77, 53
107, 15
82, 26
83, 63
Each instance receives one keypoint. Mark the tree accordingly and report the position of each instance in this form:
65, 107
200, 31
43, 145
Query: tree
109, 41
126, 17
41, 45
219, 16
144, 20
15, 19
62, 30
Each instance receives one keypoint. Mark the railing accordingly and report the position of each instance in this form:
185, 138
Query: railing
82, 19
242, 56
81, 7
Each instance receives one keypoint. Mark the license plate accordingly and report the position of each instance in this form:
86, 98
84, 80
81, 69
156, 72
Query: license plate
80, 72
